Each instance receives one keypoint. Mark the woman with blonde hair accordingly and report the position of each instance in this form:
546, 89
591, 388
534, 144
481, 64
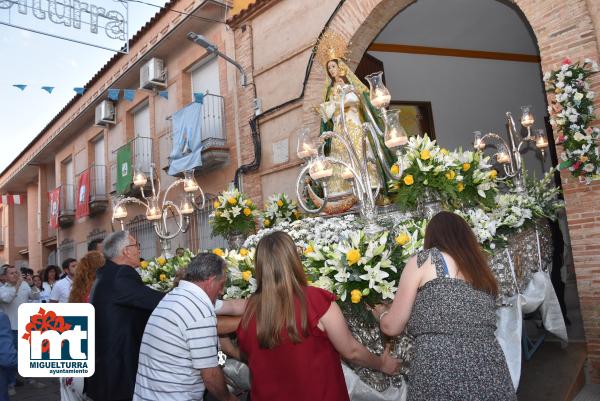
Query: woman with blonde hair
446, 300
292, 334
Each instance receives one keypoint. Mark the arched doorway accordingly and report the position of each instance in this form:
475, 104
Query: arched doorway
560, 31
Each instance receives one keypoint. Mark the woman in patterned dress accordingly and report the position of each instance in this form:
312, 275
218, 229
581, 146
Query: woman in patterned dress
446, 300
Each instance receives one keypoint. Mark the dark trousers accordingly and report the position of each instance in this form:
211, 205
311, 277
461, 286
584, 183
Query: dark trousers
12, 373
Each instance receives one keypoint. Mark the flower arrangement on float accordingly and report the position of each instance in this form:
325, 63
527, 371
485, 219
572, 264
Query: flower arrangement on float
571, 111
159, 273
280, 208
234, 213
456, 178
241, 281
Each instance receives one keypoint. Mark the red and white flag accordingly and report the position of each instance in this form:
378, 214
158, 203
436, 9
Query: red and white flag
54, 207
83, 195
12, 199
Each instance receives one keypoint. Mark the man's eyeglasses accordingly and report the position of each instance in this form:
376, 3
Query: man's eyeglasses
136, 244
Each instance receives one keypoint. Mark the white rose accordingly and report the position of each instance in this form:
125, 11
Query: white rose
578, 136
573, 118
578, 96
590, 95
589, 167
546, 76
568, 74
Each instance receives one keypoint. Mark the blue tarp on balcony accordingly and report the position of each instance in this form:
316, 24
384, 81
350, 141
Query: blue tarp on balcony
187, 139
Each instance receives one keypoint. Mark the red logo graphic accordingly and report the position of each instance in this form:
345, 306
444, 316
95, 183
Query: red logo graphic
44, 321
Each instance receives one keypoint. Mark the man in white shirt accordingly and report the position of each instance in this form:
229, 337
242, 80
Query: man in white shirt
62, 288
12, 294
178, 356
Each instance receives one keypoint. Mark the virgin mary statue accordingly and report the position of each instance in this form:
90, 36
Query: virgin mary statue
330, 53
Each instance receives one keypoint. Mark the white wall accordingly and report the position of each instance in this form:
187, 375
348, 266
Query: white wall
468, 95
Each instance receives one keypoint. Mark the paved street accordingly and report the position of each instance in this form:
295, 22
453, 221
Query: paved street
50, 393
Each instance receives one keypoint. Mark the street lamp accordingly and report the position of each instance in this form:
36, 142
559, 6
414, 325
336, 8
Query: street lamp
212, 48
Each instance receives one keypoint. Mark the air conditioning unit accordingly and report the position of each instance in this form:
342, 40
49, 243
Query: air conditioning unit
153, 74
105, 113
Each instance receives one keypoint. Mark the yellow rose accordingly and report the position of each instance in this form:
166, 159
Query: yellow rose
247, 275
353, 256
466, 166
244, 252
144, 264
267, 223
232, 200
218, 252
444, 151
248, 202
279, 203
161, 261
395, 169
247, 211
309, 249
460, 186
425, 155
402, 239
163, 277
216, 204
450, 175
493, 174
355, 296
409, 180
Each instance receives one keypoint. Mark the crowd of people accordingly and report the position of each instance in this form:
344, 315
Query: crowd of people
293, 336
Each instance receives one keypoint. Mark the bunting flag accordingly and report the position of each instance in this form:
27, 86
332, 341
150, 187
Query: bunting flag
164, 94
10, 199
199, 97
124, 170
82, 207
20, 86
79, 90
48, 89
113, 94
54, 207
128, 94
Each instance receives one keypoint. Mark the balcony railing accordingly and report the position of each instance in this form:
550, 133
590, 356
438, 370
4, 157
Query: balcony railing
2, 230
98, 183
214, 151
141, 158
66, 211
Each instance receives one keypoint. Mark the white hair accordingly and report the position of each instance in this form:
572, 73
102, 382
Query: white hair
115, 243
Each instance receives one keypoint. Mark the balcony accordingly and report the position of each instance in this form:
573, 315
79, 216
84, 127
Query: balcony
66, 212
215, 152
141, 159
98, 193
2, 231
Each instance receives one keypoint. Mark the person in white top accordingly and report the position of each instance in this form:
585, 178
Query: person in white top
12, 294
62, 289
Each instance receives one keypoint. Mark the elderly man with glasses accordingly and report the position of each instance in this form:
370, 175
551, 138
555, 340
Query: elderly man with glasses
123, 305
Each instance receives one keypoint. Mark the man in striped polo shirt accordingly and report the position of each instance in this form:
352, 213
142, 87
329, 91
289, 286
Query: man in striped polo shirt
178, 356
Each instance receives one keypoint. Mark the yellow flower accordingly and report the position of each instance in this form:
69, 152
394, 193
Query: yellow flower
144, 264
267, 223
493, 174
450, 175
460, 186
243, 252
218, 252
247, 275
402, 239
409, 180
583, 158
466, 166
161, 261
217, 214
297, 214
216, 204
355, 296
163, 277
395, 169
444, 151
353, 256
248, 202
232, 200
425, 155
309, 249
247, 211
279, 203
